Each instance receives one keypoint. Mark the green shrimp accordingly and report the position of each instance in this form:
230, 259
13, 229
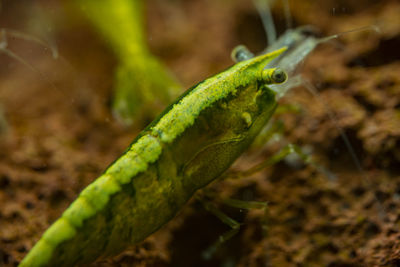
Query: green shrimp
189, 145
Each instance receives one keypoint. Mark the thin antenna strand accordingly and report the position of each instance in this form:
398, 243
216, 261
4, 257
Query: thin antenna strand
288, 14
24, 36
337, 35
264, 10
347, 143
4, 49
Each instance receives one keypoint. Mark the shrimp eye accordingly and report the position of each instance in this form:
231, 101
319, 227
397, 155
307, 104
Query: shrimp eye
241, 53
275, 75
279, 76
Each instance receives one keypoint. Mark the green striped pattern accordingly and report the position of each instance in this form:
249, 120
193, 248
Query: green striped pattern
146, 150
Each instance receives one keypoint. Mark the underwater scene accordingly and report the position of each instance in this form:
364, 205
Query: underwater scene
199, 133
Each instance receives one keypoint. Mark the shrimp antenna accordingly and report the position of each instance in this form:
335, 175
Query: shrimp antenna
344, 137
337, 35
264, 10
288, 14
4, 49
332, 117
24, 36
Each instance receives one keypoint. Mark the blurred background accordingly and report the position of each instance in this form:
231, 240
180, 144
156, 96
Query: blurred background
59, 131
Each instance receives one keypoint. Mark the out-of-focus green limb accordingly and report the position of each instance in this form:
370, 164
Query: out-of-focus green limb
120, 21
233, 224
289, 149
142, 84
275, 128
245, 204
142, 87
272, 129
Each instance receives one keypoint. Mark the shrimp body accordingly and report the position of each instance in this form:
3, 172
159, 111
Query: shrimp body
189, 145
